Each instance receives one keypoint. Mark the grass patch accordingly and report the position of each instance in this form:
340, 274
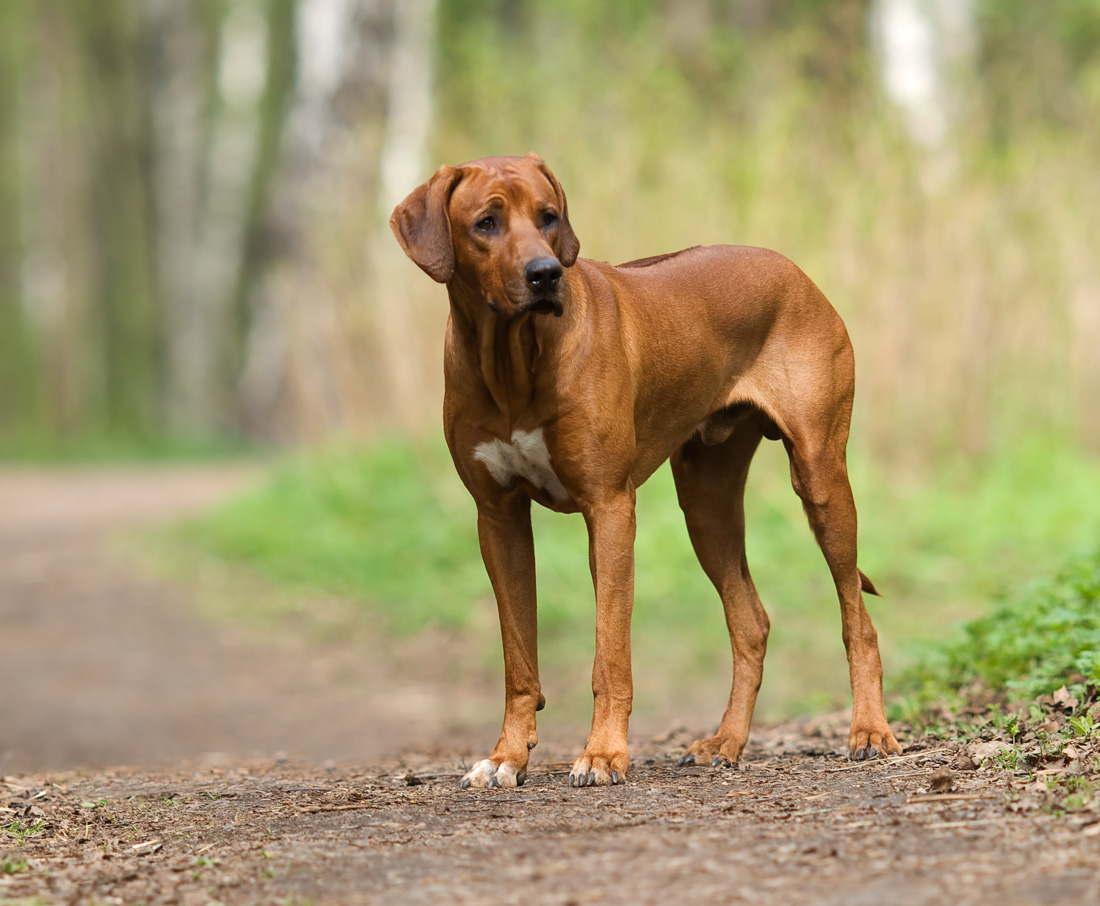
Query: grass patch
392, 530
22, 831
12, 865
105, 448
1041, 637
1019, 687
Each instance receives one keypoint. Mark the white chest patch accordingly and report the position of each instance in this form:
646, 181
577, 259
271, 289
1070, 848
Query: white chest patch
525, 457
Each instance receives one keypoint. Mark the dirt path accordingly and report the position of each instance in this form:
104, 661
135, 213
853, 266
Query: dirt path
101, 666
105, 666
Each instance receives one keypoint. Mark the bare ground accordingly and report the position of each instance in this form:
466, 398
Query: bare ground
102, 666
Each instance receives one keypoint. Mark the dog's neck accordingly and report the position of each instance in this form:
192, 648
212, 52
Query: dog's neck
508, 353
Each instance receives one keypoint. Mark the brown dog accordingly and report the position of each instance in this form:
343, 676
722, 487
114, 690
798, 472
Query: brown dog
569, 381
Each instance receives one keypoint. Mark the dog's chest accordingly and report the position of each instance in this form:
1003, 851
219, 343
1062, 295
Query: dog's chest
526, 456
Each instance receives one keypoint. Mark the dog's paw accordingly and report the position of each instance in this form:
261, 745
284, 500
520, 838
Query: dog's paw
487, 773
719, 751
596, 770
863, 745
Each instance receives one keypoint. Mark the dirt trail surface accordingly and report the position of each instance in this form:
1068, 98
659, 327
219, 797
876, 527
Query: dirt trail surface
103, 666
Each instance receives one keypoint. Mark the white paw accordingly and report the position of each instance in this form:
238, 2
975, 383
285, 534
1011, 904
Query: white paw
487, 774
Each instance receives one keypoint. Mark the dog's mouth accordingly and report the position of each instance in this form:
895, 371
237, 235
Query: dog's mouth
545, 305
539, 305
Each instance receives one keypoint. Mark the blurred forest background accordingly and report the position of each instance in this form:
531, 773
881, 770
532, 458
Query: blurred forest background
195, 257
193, 245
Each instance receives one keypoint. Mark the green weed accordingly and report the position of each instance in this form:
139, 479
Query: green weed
1079, 791
1008, 724
12, 865
23, 831
1050, 746
1010, 759
1040, 636
1083, 725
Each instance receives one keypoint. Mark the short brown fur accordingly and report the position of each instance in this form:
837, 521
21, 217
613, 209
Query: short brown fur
692, 357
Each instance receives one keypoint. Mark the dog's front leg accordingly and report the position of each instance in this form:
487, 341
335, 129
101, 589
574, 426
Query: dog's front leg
611, 529
508, 549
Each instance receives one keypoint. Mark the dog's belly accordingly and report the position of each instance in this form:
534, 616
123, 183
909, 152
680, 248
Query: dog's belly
526, 457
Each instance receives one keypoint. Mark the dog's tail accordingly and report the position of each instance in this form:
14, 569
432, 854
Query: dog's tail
866, 584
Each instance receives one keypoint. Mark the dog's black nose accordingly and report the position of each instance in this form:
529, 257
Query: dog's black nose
543, 273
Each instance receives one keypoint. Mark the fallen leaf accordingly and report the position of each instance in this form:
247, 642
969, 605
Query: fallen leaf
1063, 699
980, 751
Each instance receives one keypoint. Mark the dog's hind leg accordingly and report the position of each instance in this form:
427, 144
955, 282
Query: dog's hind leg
710, 484
820, 477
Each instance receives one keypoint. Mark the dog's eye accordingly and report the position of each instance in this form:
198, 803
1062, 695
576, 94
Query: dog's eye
549, 219
486, 225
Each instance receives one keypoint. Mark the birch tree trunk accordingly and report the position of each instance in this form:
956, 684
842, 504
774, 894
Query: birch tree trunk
208, 120
410, 352
923, 48
123, 265
316, 360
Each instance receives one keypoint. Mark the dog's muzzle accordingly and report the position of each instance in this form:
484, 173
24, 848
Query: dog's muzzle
543, 275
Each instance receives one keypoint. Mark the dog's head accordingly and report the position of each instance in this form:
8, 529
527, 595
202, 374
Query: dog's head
501, 225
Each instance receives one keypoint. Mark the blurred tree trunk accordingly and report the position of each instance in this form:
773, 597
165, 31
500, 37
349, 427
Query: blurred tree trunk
295, 353
262, 246
137, 145
120, 217
57, 134
408, 351
924, 48
211, 79
187, 189
318, 356
183, 48
16, 368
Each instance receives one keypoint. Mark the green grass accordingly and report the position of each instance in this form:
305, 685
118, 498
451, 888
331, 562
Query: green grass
1040, 636
1025, 677
22, 831
104, 447
11, 865
392, 530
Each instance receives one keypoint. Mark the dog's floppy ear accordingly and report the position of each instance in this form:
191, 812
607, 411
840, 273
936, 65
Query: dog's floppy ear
570, 244
421, 225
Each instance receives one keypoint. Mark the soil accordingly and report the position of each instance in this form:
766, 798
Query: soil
152, 755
